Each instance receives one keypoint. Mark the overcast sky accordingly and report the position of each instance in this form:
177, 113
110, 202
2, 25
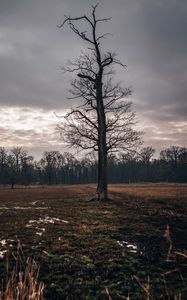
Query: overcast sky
150, 37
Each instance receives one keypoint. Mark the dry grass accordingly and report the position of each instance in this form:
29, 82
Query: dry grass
84, 191
21, 282
152, 191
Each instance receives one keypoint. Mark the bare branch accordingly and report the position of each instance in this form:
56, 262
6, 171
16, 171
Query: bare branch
103, 36
83, 117
70, 19
86, 77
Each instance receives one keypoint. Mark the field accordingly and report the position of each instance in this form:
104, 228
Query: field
92, 250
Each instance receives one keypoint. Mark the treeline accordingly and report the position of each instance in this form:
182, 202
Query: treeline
18, 167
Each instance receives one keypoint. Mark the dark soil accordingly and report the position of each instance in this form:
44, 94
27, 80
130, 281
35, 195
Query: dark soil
94, 250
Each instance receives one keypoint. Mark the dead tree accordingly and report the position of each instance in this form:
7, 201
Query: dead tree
104, 121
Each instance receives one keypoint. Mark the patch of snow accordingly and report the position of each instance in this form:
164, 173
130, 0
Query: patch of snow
28, 207
132, 248
34, 202
3, 242
46, 220
2, 253
42, 222
64, 221
39, 233
22, 207
45, 252
40, 207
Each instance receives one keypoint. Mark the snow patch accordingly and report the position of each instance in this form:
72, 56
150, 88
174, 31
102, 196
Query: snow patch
22, 207
42, 222
3, 242
2, 253
3, 245
40, 231
46, 220
131, 247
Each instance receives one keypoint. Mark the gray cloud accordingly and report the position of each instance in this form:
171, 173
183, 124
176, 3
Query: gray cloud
149, 36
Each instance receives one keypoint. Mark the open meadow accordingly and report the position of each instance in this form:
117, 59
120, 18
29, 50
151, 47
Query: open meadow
135, 244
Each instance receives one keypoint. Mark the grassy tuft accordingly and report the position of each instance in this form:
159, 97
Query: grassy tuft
21, 282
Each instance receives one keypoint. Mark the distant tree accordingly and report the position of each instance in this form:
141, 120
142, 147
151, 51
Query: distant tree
27, 168
68, 168
51, 163
104, 122
174, 163
182, 170
12, 170
3, 165
17, 153
54, 167
146, 154
3, 157
129, 167
15, 159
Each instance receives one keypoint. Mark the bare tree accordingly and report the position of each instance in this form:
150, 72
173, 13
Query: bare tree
18, 153
146, 154
104, 121
3, 157
50, 163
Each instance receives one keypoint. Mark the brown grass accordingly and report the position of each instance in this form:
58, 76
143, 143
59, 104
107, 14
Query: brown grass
151, 191
21, 282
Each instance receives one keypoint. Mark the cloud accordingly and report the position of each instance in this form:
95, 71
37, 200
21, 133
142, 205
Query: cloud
30, 128
149, 36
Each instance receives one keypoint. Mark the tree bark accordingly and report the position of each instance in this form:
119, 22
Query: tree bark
101, 192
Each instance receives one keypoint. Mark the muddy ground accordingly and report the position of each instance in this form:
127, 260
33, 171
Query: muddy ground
91, 250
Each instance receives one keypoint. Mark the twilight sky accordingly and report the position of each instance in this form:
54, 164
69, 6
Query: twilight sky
150, 37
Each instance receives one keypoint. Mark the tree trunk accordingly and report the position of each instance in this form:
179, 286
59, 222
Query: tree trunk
101, 192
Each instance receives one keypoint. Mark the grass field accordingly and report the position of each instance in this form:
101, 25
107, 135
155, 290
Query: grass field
92, 250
